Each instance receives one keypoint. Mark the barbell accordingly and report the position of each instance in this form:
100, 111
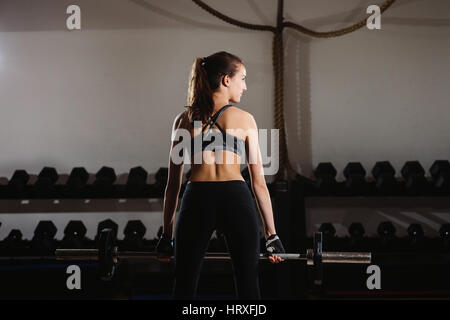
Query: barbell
109, 256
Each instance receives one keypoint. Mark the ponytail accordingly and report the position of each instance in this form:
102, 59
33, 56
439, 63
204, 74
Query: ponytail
205, 78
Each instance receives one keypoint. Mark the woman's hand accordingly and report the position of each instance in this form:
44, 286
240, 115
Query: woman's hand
274, 246
275, 259
164, 248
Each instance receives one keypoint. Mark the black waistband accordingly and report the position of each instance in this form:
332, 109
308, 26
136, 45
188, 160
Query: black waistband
215, 182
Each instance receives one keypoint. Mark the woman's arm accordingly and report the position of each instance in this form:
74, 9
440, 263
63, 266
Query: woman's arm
173, 184
258, 180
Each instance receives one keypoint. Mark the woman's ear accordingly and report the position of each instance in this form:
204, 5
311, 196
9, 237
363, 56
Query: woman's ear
226, 80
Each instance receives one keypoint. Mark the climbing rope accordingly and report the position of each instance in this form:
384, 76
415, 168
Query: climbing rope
278, 66
232, 21
336, 33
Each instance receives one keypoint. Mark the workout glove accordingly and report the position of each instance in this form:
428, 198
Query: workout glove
274, 245
165, 245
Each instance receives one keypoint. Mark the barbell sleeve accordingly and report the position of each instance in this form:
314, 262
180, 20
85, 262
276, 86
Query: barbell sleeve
347, 257
76, 254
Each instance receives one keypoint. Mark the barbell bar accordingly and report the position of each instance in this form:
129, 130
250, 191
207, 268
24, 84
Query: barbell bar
327, 257
109, 256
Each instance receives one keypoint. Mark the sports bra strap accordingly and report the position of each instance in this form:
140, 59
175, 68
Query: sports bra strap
213, 120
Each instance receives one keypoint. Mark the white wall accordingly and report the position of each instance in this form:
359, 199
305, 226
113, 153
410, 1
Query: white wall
371, 95
107, 94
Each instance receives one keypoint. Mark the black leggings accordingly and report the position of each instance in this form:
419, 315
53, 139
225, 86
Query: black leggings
227, 206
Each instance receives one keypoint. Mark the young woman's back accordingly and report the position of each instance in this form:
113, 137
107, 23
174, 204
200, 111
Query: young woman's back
223, 164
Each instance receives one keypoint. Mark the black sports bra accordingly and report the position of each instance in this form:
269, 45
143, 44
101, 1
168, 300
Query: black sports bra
230, 142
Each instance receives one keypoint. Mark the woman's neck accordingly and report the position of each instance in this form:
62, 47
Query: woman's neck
220, 100
218, 106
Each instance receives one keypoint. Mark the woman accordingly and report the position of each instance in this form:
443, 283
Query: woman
217, 196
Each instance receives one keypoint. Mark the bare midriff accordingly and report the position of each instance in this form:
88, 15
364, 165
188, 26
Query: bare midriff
208, 170
230, 166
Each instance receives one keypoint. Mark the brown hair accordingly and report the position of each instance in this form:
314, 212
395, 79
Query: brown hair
206, 76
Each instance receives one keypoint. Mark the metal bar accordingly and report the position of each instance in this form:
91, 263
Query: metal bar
76, 254
327, 257
132, 255
347, 257
287, 256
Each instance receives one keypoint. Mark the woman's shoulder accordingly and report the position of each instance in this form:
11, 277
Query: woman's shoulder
239, 112
181, 120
